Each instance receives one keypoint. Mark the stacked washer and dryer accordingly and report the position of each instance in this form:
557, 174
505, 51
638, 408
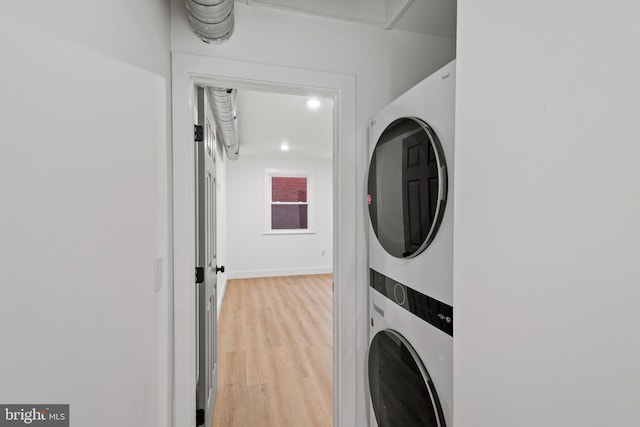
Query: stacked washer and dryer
410, 183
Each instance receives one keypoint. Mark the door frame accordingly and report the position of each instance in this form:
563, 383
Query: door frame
190, 70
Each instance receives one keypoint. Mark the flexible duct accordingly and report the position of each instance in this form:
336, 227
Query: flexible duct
223, 105
211, 20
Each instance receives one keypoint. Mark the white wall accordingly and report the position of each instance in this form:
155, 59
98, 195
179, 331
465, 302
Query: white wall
83, 172
385, 63
547, 208
251, 253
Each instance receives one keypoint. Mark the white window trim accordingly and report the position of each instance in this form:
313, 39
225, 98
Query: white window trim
268, 174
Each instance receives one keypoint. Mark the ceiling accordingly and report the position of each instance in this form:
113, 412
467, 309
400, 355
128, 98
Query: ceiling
267, 120
433, 17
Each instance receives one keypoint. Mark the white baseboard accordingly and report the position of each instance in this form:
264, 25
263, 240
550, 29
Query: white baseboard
280, 272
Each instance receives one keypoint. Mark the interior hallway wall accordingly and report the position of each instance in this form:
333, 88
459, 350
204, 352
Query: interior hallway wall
547, 205
85, 208
255, 254
385, 63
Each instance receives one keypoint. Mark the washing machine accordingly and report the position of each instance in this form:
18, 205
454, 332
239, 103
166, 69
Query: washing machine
410, 204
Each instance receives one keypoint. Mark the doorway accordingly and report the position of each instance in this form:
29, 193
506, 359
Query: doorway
277, 305
190, 71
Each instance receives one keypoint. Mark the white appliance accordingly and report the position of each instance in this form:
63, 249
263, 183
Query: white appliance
410, 183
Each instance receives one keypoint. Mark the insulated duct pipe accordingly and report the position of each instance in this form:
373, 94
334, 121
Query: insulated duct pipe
223, 105
211, 20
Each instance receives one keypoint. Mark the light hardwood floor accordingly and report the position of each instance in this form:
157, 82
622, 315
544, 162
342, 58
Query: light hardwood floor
275, 353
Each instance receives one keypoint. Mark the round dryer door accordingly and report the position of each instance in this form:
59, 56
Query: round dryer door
402, 393
407, 187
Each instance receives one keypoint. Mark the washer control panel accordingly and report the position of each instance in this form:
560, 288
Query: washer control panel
432, 311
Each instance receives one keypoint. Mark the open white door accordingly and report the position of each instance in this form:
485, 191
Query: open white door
206, 257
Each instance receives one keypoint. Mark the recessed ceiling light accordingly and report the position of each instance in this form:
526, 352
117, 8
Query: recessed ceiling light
284, 146
313, 103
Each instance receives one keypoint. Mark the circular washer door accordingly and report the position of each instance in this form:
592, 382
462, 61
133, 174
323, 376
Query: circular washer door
402, 393
407, 187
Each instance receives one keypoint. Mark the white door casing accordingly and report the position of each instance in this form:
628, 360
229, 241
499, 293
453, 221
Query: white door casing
189, 71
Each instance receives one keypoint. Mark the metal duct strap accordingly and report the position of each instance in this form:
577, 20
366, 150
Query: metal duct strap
211, 20
224, 113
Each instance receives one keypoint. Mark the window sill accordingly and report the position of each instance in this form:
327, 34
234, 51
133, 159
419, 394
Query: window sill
289, 232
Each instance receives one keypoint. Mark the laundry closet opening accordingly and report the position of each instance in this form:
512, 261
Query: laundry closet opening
274, 234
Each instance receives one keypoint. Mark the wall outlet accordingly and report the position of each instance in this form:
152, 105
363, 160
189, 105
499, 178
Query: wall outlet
322, 253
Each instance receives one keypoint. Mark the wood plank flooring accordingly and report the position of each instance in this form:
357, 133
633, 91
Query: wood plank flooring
275, 353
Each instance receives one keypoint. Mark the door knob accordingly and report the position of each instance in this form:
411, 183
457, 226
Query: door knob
220, 269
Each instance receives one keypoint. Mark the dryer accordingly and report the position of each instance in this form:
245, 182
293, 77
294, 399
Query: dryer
410, 203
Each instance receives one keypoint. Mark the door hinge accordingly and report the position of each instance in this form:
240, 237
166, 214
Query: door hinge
199, 417
199, 275
198, 133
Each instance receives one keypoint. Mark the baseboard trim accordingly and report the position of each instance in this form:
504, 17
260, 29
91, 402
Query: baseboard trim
280, 272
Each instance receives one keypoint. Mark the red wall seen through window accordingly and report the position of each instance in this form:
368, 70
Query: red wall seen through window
289, 210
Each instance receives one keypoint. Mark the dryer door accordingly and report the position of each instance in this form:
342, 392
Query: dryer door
407, 187
402, 393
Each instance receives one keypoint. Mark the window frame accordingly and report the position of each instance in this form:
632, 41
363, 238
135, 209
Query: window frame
283, 173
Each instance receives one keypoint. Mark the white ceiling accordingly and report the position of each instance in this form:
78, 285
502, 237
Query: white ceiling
433, 17
266, 120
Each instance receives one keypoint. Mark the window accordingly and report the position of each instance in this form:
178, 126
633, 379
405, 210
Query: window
288, 202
